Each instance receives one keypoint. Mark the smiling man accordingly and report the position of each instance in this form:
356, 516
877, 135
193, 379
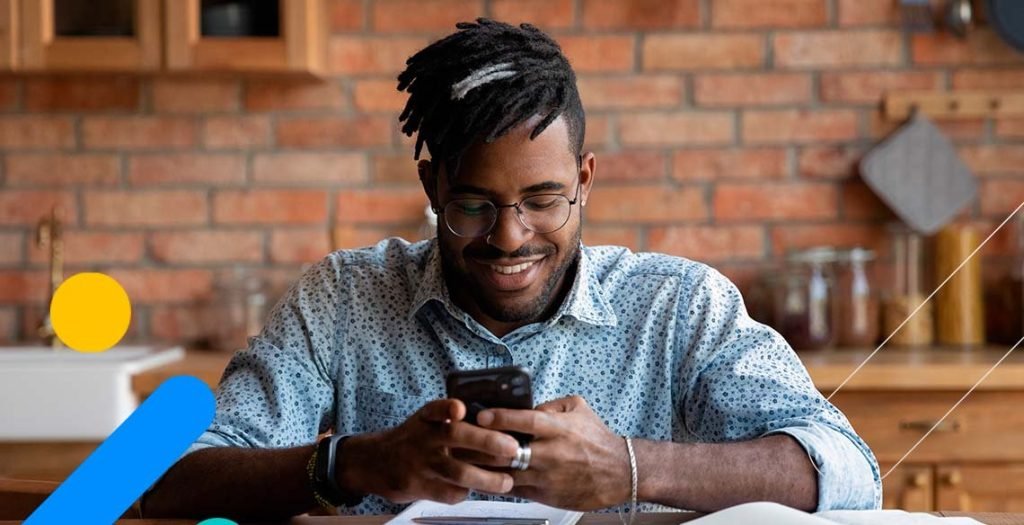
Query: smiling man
656, 384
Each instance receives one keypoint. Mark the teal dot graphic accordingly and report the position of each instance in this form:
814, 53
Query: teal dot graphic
216, 521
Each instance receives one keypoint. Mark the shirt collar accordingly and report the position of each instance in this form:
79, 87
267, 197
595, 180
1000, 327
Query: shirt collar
585, 301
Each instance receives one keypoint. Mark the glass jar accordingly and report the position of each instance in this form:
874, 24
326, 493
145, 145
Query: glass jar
857, 309
804, 299
1004, 296
238, 309
906, 291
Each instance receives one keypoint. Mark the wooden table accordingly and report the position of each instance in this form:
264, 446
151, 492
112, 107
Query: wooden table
663, 518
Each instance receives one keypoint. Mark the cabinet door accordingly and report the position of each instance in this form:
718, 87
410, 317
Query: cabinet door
102, 35
910, 487
258, 36
8, 35
980, 488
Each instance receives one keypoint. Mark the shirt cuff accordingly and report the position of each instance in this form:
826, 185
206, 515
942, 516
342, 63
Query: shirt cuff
848, 475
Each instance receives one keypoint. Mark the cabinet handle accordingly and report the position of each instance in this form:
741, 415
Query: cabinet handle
919, 480
953, 478
924, 425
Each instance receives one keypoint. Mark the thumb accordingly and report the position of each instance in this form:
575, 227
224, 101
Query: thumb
443, 410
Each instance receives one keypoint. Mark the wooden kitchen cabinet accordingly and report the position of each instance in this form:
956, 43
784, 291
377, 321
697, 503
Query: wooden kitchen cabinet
989, 488
909, 487
105, 35
295, 43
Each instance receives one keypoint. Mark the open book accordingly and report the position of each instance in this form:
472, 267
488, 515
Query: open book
486, 509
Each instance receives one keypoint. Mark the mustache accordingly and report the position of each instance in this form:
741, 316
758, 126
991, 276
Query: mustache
488, 252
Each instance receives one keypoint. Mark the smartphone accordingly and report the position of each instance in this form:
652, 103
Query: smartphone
504, 387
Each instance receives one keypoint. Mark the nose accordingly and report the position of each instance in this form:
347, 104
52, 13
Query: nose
509, 233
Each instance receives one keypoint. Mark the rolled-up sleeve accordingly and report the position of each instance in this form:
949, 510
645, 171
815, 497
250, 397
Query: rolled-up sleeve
278, 392
743, 381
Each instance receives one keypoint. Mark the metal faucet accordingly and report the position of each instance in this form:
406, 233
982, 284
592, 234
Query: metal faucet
50, 235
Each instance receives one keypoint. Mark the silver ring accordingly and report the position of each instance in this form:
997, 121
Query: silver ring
522, 459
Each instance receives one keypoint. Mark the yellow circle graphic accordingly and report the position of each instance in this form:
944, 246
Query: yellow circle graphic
90, 312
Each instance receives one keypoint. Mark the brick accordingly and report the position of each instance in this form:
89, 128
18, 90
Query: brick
359, 54
628, 166
8, 324
9, 94
791, 237
236, 132
206, 246
837, 49
298, 245
545, 14
26, 207
88, 247
868, 12
660, 129
324, 132
784, 201
179, 324
309, 168
859, 202
641, 204
139, 132
381, 206
1010, 128
647, 91
423, 15
34, 131
994, 160
957, 129
683, 52
62, 169
612, 236
164, 286
145, 208
746, 14
988, 78
270, 207
829, 162
709, 243
186, 168
599, 53
379, 95
195, 96
348, 236
345, 15
395, 168
981, 47
21, 286
797, 125
1001, 196
599, 132
868, 87
732, 163
752, 89
12, 248
287, 95
82, 94
640, 14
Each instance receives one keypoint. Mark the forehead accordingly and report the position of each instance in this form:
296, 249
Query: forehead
515, 159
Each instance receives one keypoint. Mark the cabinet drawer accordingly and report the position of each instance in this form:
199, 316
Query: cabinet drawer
986, 426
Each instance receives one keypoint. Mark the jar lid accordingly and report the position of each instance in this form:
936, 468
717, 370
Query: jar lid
816, 255
856, 254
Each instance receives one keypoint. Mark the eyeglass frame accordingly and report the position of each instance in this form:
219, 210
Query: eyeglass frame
519, 212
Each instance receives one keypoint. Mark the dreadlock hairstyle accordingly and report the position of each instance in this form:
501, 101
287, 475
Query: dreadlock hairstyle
480, 82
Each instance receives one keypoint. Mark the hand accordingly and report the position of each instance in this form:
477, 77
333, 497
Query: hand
412, 461
578, 462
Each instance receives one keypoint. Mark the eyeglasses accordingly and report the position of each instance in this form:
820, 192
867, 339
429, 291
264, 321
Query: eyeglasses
543, 213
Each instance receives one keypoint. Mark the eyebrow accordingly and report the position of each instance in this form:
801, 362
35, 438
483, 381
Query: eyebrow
476, 190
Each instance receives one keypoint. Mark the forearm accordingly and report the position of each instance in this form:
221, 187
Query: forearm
711, 476
237, 483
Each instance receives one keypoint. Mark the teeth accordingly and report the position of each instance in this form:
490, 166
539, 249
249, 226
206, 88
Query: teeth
509, 270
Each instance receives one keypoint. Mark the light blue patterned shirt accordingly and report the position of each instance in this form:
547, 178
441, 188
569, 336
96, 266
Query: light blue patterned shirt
661, 347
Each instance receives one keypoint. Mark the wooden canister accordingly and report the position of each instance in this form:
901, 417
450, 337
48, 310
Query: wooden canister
959, 311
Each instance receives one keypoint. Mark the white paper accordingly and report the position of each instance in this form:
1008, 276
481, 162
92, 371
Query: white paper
483, 509
892, 517
766, 513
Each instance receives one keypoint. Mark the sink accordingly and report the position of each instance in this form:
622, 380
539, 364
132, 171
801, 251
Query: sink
64, 395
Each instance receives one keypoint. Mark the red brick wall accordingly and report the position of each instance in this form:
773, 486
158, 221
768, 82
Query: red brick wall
726, 130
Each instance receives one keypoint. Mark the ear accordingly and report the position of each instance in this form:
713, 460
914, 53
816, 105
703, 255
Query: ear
588, 167
428, 178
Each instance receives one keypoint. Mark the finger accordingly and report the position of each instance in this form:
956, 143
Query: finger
480, 459
472, 477
562, 404
439, 490
442, 411
533, 422
471, 437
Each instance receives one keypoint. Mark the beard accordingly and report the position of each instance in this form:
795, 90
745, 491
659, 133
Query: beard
506, 311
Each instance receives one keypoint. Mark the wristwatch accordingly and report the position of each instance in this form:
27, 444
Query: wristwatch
323, 474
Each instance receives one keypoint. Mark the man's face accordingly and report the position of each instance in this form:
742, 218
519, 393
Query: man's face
512, 275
